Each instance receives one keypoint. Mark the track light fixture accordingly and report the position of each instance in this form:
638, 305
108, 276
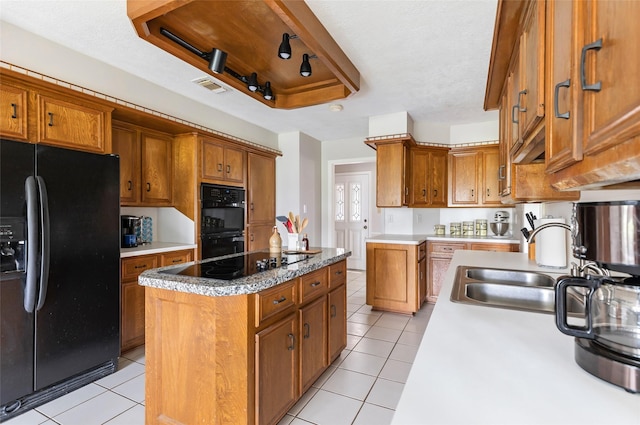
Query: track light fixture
305, 66
217, 59
284, 51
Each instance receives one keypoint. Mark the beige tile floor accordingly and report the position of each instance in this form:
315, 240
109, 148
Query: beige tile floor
361, 387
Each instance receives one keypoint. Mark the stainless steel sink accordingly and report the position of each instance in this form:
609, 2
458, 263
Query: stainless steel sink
511, 289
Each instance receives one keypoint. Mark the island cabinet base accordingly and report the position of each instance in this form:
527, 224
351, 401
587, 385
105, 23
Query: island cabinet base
241, 359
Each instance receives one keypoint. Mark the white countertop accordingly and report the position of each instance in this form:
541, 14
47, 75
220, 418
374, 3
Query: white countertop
483, 365
418, 239
155, 248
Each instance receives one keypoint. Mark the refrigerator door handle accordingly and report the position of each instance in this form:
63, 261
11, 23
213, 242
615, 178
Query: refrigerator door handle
44, 243
30, 289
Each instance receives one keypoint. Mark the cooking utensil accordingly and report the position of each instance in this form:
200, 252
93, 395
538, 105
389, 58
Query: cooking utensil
530, 219
282, 219
292, 219
304, 224
525, 232
297, 223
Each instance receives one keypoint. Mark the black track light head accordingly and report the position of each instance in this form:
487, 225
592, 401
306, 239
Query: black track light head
217, 59
305, 67
268, 94
252, 84
284, 51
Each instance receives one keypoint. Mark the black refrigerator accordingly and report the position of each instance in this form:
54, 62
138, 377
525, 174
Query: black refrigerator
60, 269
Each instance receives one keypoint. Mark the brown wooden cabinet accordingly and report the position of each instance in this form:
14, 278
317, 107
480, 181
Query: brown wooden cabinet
221, 163
428, 182
146, 172
257, 353
261, 200
473, 177
393, 276
393, 170
441, 253
132, 294
13, 112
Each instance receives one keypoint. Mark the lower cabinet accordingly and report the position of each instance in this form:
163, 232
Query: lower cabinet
395, 276
132, 294
439, 258
255, 355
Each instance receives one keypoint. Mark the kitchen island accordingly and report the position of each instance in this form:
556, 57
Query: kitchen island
484, 365
241, 349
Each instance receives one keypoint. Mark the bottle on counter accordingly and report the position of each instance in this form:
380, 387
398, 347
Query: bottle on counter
305, 243
275, 241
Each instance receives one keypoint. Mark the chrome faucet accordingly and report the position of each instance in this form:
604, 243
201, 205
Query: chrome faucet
544, 226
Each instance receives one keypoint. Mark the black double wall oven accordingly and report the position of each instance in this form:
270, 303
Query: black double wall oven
222, 220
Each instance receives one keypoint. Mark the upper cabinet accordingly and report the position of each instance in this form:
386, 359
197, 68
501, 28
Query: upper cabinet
428, 180
473, 177
392, 170
261, 200
588, 99
146, 165
54, 116
222, 163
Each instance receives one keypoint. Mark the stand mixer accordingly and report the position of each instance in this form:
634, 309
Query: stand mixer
500, 224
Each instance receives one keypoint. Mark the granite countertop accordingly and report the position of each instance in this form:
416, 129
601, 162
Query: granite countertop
418, 239
244, 285
483, 365
155, 248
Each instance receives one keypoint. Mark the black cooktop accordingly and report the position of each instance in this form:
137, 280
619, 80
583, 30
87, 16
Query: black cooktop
238, 266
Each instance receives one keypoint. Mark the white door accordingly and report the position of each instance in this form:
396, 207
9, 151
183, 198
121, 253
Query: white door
351, 215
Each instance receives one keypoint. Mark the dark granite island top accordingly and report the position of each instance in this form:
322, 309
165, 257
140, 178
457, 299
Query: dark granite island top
166, 277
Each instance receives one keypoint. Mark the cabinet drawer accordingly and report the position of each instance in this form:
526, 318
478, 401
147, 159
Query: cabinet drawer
176, 257
422, 250
313, 284
274, 300
446, 247
132, 267
498, 247
337, 274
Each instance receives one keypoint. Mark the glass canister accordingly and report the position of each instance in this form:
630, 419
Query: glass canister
468, 228
439, 229
455, 229
481, 227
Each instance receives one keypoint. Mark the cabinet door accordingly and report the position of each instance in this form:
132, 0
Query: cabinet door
337, 321
463, 186
276, 365
234, 165
313, 341
514, 93
157, 168
71, 125
422, 281
132, 315
419, 192
438, 267
126, 145
562, 144
438, 169
13, 112
490, 167
612, 111
261, 192
212, 161
392, 283
504, 167
391, 190
257, 236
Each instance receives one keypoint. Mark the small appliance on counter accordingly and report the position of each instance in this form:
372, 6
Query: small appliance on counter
500, 224
128, 224
607, 236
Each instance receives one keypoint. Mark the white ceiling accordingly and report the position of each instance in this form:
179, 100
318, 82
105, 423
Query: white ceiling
427, 57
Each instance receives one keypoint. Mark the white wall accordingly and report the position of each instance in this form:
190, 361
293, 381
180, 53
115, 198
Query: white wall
35, 53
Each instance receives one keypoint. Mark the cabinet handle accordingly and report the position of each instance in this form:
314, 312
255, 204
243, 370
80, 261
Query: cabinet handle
220, 166
50, 119
500, 175
596, 45
435, 193
307, 330
314, 284
129, 185
148, 187
334, 311
424, 192
520, 93
15, 110
447, 248
557, 114
280, 300
406, 190
251, 206
228, 169
251, 238
339, 272
177, 260
472, 195
514, 118
488, 193
143, 266
292, 338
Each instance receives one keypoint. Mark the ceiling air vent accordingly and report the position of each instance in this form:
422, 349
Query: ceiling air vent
209, 84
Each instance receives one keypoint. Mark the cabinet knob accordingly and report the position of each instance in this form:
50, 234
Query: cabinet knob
15, 110
596, 45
